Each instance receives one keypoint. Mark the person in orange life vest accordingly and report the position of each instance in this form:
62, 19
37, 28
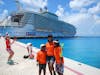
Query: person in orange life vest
30, 52
8, 48
41, 59
50, 54
58, 58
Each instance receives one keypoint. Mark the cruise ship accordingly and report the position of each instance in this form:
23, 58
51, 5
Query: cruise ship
35, 24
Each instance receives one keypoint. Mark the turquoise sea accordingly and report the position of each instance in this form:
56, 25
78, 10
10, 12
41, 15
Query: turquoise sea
85, 50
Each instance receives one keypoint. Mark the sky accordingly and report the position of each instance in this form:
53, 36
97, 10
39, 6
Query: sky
83, 14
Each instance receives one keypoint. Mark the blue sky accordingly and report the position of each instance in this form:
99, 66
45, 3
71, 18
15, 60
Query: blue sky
10, 5
53, 4
83, 14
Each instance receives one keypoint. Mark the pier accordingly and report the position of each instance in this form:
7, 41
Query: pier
28, 66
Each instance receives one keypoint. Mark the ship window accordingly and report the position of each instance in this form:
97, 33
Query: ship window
16, 18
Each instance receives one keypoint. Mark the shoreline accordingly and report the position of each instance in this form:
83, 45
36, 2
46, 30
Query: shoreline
58, 37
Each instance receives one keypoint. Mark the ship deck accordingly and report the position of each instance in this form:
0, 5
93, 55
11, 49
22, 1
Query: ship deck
29, 67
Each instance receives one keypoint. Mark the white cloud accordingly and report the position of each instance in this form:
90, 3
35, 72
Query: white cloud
1, 2
83, 23
33, 5
60, 11
78, 4
95, 9
83, 10
87, 24
3, 15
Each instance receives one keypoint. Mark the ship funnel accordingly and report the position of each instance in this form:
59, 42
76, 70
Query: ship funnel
41, 10
45, 9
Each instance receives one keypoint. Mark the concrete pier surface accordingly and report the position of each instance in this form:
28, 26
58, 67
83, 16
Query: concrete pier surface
28, 66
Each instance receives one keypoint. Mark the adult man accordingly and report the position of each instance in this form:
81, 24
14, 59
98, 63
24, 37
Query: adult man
50, 54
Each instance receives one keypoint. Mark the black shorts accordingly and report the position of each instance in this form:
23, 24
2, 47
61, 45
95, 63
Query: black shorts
42, 66
50, 59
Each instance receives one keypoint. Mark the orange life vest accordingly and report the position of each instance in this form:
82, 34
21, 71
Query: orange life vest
58, 58
50, 49
41, 57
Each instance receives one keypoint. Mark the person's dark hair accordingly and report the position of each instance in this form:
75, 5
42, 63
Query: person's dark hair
57, 44
50, 36
57, 40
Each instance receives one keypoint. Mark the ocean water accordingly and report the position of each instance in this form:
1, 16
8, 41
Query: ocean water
85, 50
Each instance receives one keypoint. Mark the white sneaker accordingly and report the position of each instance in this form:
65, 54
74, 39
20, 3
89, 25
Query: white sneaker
10, 62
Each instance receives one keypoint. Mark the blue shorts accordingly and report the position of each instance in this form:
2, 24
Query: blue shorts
50, 59
59, 68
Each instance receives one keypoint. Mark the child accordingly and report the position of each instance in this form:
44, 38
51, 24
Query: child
9, 50
41, 59
59, 59
30, 52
